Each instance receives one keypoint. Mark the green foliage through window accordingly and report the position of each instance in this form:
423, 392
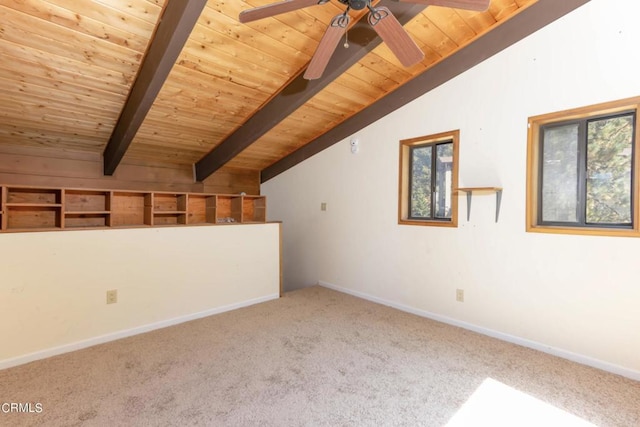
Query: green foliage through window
431, 178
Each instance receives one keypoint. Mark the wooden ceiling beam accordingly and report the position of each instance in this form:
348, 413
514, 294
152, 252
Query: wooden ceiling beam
533, 18
173, 30
362, 40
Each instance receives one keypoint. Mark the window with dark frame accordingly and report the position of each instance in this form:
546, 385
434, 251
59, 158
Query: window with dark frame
586, 172
582, 171
428, 176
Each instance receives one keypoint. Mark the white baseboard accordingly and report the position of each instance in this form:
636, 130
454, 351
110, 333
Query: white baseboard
579, 358
21, 360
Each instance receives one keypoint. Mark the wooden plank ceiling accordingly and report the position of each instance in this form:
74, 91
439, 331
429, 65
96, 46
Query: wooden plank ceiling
68, 66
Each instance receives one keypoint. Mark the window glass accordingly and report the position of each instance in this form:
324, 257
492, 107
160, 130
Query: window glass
444, 168
560, 174
609, 163
421, 181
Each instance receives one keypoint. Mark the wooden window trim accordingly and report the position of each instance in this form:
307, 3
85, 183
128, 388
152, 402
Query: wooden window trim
403, 181
533, 158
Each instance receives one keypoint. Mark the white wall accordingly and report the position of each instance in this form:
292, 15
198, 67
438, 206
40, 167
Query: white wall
53, 285
579, 295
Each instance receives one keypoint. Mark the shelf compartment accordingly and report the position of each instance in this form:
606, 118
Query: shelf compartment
228, 209
130, 209
34, 196
87, 220
87, 200
167, 202
169, 218
33, 217
201, 209
254, 209
169, 209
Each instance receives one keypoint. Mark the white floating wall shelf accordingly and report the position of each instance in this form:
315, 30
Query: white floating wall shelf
481, 190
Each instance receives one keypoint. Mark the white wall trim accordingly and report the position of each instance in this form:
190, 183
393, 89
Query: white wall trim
55, 351
574, 357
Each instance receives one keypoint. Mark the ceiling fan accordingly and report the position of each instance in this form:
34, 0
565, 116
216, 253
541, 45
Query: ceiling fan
380, 18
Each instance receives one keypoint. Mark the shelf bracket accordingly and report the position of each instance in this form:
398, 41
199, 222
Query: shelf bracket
469, 192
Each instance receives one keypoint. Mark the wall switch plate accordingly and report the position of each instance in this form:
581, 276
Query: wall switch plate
323, 206
112, 296
460, 295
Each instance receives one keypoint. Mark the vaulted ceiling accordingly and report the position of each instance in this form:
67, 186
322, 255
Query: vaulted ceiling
184, 82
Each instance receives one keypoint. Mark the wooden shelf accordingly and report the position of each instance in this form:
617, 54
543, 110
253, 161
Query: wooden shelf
35, 205
43, 209
24, 230
478, 189
482, 190
68, 212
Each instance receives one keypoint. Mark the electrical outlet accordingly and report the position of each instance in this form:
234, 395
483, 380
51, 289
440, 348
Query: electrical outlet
460, 295
112, 296
323, 206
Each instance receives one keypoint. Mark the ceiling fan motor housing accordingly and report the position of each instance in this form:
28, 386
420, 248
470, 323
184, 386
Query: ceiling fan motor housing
358, 4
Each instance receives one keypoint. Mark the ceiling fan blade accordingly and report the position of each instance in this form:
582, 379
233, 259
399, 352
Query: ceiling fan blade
395, 36
276, 9
479, 5
327, 46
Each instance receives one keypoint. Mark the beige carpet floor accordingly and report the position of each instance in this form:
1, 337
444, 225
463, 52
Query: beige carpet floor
316, 357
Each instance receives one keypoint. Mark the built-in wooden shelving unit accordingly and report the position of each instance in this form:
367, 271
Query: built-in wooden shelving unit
42, 209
